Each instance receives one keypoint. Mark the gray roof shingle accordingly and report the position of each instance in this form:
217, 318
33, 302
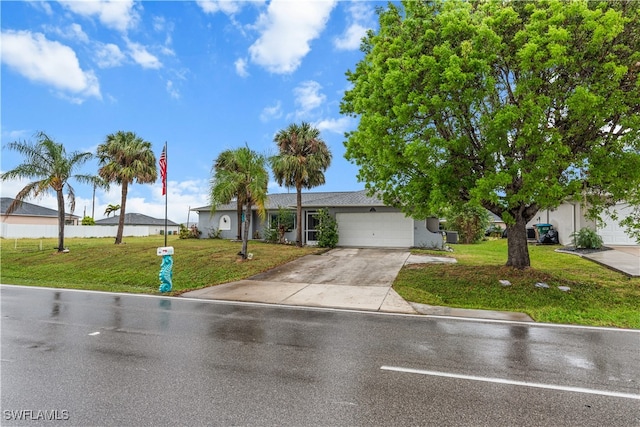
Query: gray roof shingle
320, 199
134, 219
29, 209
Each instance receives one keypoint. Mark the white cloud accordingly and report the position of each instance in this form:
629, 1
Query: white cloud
308, 96
142, 56
272, 112
71, 32
120, 15
351, 39
226, 6
16, 134
287, 28
108, 55
241, 67
339, 126
361, 19
48, 62
173, 92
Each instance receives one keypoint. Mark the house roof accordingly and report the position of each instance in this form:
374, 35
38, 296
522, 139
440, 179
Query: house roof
29, 209
309, 200
134, 219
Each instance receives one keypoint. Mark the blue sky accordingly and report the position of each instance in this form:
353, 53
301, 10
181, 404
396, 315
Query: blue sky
204, 76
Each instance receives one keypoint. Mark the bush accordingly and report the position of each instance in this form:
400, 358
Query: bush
586, 238
189, 233
214, 233
279, 224
327, 230
87, 220
470, 221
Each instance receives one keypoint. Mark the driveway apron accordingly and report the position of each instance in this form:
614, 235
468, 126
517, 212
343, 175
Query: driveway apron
350, 278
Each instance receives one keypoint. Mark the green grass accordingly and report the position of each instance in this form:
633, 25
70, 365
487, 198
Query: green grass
598, 296
98, 264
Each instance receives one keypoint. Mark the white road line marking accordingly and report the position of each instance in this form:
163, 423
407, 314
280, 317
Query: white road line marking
512, 382
94, 333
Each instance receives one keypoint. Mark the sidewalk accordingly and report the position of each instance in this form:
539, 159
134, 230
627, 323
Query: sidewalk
325, 281
625, 260
293, 284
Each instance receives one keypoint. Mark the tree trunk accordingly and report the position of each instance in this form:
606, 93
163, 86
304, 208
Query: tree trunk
123, 202
299, 214
61, 214
245, 234
517, 249
239, 212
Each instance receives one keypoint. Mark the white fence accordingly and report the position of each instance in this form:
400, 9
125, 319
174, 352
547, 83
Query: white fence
25, 231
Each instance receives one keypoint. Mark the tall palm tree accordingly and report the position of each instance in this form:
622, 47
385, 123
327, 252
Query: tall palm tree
124, 158
228, 160
47, 162
247, 181
302, 160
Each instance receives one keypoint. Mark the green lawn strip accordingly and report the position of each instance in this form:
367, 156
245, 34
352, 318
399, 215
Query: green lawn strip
98, 264
598, 296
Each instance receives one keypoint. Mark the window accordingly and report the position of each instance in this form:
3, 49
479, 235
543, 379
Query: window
285, 218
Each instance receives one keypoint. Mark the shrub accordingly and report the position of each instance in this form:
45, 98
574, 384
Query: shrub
189, 233
87, 220
586, 238
214, 233
470, 221
279, 224
327, 230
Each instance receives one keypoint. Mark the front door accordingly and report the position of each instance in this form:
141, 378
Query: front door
311, 230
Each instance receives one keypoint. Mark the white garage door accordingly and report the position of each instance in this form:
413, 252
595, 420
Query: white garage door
375, 229
612, 233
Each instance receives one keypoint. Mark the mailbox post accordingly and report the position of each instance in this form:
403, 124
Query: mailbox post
166, 268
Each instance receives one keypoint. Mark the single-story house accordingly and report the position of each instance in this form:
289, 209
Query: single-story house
156, 225
571, 216
363, 221
30, 214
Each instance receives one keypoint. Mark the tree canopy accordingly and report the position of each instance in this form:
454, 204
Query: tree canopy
47, 163
302, 159
124, 157
240, 174
515, 106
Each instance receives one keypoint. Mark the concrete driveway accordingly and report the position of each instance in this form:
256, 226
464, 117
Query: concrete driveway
340, 278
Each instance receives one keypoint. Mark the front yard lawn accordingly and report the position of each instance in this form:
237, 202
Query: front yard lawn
98, 264
597, 296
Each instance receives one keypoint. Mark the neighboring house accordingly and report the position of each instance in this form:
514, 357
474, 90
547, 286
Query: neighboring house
156, 226
363, 221
30, 214
571, 216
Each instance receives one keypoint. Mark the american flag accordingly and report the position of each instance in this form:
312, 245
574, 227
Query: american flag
163, 170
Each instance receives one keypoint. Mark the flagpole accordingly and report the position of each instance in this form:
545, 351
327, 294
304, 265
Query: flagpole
166, 196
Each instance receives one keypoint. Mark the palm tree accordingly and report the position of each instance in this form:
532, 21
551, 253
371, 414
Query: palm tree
99, 182
302, 160
228, 160
47, 162
246, 181
124, 158
111, 209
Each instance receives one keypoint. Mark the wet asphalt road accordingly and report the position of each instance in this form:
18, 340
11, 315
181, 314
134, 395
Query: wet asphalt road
108, 359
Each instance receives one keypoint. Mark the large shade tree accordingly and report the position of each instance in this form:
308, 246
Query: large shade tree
123, 158
48, 165
302, 159
516, 106
240, 174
